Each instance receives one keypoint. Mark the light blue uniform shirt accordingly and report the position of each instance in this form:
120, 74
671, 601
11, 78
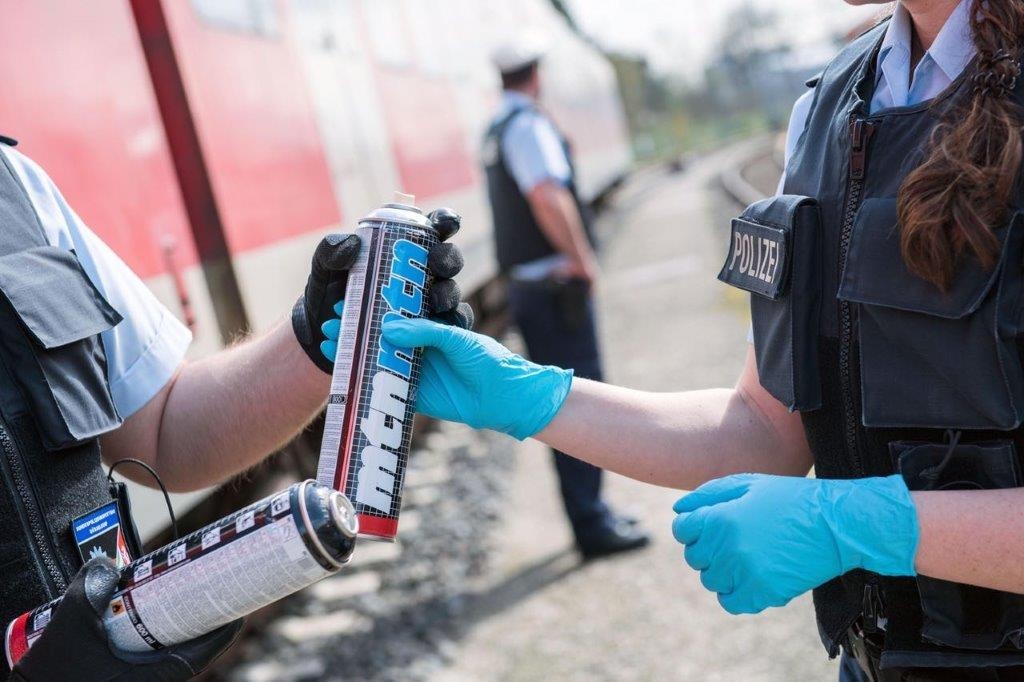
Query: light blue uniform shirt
895, 86
147, 347
533, 154
532, 147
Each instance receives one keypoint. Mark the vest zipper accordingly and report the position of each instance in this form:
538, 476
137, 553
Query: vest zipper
30, 516
860, 136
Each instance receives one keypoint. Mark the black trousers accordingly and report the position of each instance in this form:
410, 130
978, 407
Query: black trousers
556, 320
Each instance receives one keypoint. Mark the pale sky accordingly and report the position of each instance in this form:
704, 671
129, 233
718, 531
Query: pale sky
677, 35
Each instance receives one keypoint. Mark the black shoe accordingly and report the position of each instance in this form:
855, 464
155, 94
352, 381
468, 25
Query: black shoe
622, 537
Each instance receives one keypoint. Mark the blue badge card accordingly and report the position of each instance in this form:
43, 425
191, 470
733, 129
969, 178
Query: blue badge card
98, 533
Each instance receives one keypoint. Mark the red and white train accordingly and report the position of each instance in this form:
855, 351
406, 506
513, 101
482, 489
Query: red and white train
211, 143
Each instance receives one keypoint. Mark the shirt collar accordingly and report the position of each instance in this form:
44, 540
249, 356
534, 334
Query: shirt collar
515, 99
952, 50
896, 42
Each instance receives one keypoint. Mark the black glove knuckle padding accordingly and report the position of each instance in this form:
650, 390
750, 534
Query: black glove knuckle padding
444, 296
446, 221
445, 260
462, 316
334, 253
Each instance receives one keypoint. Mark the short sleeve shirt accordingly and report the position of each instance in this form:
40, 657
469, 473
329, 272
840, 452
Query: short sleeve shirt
532, 147
146, 348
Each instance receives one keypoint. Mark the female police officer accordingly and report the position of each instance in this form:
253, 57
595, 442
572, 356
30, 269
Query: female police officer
885, 292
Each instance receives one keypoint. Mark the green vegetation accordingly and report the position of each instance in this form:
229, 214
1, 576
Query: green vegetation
748, 85
668, 120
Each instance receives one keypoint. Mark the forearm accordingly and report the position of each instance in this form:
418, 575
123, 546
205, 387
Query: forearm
972, 536
560, 221
677, 440
225, 413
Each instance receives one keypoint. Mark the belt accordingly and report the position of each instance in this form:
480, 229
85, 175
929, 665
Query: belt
866, 649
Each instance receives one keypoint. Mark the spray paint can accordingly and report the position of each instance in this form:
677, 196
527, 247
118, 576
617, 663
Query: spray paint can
368, 428
219, 573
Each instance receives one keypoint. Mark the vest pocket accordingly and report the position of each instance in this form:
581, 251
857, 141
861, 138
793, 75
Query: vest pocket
774, 254
57, 358
931, 359
957, 615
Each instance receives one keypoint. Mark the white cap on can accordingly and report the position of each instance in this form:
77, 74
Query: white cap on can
519, 52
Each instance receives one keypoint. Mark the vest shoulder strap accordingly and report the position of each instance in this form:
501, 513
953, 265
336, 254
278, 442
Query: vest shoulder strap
502, 124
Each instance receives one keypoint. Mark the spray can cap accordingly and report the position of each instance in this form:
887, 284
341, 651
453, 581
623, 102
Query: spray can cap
343, 514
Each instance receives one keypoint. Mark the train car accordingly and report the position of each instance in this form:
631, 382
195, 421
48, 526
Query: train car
212, 143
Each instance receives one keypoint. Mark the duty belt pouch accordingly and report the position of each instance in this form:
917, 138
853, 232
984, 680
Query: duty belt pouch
957, 615
573, 299
934, 359
774, 254
58, 360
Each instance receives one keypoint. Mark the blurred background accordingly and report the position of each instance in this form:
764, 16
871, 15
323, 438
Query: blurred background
212, 143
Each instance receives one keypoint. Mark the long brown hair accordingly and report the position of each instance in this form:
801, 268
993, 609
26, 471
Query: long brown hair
949, 205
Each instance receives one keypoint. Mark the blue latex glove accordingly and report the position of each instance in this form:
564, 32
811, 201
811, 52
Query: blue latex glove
760, 541
331, 329
461, 316
473, 379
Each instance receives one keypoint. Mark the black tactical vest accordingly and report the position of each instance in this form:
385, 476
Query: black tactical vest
54, 403
517, 236
890, 374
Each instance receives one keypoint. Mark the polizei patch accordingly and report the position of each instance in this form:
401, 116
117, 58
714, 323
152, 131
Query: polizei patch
368, 428
757, 260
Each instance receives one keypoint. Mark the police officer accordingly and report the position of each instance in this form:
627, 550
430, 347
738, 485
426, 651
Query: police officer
91, 367
885, 285
545, 247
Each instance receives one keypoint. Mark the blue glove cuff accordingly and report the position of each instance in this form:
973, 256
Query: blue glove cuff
874, 521
553, 385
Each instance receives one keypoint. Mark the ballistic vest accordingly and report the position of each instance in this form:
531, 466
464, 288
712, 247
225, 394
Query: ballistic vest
54, 403
517, 236
890, 374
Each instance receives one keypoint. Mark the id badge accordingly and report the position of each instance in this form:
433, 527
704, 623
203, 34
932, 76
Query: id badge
100, 533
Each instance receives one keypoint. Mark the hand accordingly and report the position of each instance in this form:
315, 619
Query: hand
585, 270
316, 316
473, 379
760, 541
74, 646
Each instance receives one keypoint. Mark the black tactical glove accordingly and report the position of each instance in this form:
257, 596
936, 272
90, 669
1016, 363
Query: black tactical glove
316, 313
74, 646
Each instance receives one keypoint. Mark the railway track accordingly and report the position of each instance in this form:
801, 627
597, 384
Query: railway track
754, 175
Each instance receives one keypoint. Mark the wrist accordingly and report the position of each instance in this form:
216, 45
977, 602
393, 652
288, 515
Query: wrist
555, 384
875, 525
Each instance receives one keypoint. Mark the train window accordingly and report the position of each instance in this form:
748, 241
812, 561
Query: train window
249, 16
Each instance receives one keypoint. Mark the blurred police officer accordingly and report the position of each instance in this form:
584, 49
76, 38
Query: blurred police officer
545, 247
90, 360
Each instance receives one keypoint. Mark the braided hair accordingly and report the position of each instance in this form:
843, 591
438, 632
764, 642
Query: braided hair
949, 205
